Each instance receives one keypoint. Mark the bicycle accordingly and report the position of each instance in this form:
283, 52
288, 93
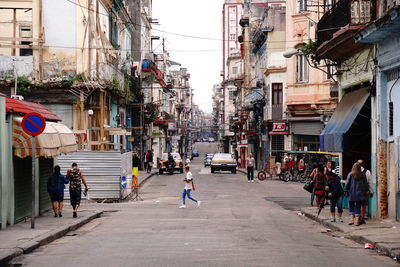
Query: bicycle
267, 172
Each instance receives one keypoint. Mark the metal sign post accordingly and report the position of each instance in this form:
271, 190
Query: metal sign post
33, 181
33, 124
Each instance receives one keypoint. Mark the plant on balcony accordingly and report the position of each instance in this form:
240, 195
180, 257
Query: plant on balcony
309, 50
114, 87
151, 113
23, 85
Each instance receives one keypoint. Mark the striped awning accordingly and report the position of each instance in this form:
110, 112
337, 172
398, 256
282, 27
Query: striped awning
55, 140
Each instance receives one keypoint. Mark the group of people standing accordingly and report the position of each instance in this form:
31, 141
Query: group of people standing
358, 189
56, 185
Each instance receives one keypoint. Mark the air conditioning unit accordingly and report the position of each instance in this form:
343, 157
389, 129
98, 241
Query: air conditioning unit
18, 97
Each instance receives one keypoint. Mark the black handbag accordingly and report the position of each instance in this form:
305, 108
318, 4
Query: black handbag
309, 187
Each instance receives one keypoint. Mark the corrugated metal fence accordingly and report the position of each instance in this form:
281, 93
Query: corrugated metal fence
101, 169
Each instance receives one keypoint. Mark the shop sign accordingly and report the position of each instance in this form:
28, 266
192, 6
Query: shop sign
172, 126
279, 128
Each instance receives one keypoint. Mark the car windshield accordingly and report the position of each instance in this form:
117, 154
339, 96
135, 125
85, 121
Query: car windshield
176, 156
209, 156
223, 156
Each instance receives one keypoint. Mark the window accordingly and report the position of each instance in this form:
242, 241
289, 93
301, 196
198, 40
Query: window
25, 32
301, 69
302, 6
113, 30
277, 93
330, 69
232, 9
233, 37
234, 70
232, 95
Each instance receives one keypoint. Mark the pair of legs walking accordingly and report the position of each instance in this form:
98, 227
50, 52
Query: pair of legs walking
186, 193
355, 210
250, 174
75, 196
57, 203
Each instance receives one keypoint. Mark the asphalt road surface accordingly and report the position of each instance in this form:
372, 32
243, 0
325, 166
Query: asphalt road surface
237, 224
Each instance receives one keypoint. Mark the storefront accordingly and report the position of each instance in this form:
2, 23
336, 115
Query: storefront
380, 33
55, 140
305, 133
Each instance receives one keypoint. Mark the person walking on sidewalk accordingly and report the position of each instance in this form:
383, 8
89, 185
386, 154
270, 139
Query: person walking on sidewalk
250, 168
55, 187
76, 179
357, 188
319, 185
335, 194
149, 159
370, 191
189, 186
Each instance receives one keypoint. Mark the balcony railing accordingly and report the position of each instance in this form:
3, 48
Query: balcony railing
337, 27
277, 112
344, 12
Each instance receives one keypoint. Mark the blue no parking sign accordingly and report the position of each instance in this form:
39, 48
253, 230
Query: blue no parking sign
33, 124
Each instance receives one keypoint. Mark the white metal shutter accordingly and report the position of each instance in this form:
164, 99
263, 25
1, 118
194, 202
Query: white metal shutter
306, 127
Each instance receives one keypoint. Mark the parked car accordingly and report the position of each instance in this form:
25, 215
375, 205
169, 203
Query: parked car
211, 139
164, 162
223, 162
195, 153
207, 159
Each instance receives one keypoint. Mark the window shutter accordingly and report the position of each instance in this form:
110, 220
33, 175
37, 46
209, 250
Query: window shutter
390, 118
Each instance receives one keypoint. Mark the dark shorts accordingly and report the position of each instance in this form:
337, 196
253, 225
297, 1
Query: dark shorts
75, 197
55, 197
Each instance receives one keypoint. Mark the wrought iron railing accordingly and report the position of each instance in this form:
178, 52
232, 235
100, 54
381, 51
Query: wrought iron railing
345, 12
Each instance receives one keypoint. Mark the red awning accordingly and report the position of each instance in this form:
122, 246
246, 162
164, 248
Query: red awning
24, 107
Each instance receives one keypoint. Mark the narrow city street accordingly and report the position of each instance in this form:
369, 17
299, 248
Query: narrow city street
237, 224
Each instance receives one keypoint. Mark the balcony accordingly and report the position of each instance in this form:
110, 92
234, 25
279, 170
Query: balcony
338, 26
277, 112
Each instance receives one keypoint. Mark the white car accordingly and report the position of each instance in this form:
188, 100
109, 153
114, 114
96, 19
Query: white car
211, 139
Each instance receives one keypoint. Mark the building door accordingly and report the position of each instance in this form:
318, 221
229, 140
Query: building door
45, 170
23, 187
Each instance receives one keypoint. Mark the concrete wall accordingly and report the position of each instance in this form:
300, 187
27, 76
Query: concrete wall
60, 27
6, 168
298, 31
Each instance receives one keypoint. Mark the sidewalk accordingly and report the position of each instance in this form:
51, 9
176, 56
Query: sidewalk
382, 234
21, 239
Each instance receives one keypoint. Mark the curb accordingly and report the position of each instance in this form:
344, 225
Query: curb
379, 247
44, 239
147, 178
242, 171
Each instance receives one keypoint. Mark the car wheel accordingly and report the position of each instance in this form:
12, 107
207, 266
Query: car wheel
181, 170
234, 171
161, 171
212, 170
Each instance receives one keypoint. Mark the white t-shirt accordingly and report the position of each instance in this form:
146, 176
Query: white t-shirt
369, 179
189, 177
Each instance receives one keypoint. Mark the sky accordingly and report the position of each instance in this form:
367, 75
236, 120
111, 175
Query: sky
202, 58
